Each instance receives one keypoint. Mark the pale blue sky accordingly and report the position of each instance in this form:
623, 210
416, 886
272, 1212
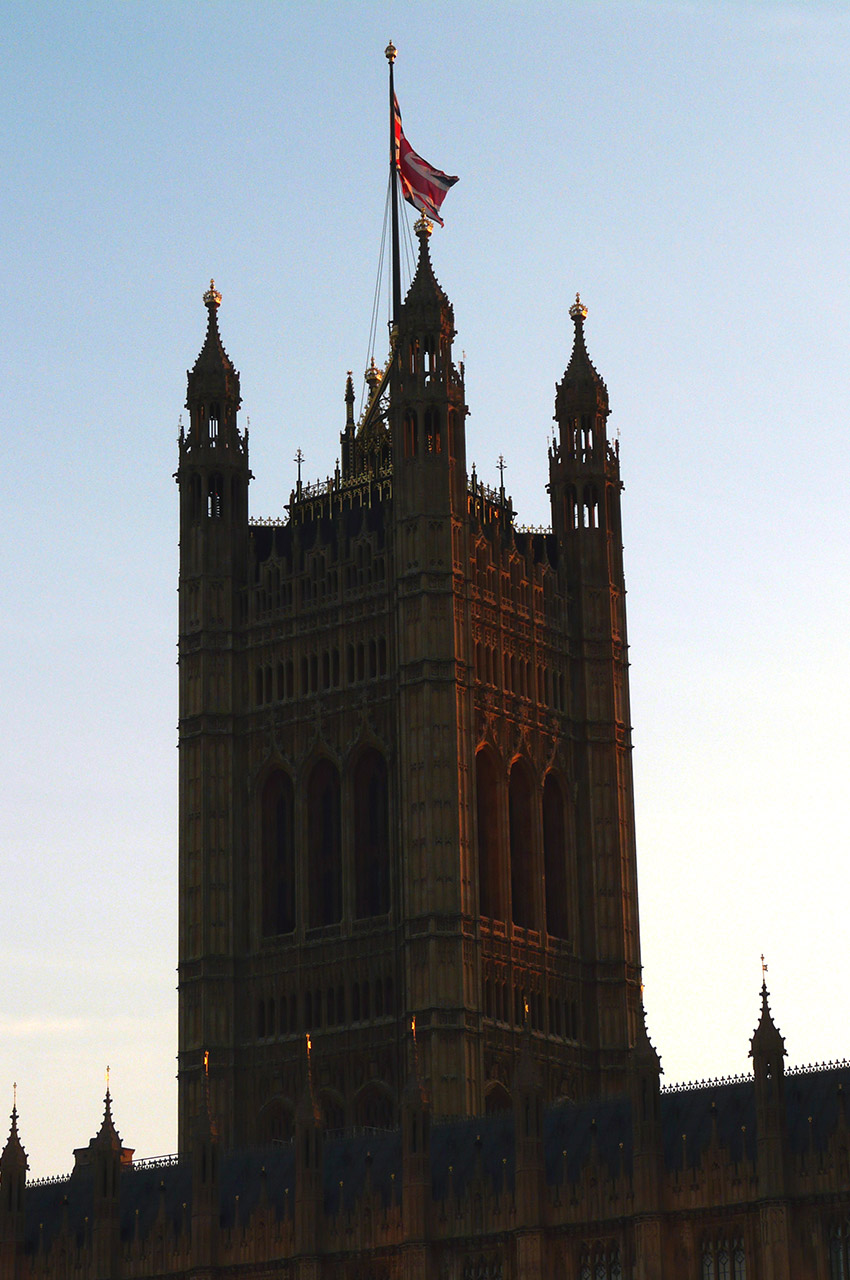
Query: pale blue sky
685, 166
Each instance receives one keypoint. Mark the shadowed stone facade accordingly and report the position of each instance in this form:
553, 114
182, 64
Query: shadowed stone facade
411, 1038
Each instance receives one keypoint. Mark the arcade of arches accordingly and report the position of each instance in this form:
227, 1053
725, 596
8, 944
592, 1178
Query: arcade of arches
344, 836
523, 852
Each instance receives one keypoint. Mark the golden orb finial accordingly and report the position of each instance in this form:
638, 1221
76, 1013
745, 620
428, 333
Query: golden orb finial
373, 375
212, 297
390, 51
578, 310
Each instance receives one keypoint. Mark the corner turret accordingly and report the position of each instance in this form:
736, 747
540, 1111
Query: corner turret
585, 489
105, 1155
767, 1050
429, 449
213, 477
13, 1179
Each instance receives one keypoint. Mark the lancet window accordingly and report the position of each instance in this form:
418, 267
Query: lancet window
278, 855
371, 835
555, 858
324, 860
521, 827
490, 879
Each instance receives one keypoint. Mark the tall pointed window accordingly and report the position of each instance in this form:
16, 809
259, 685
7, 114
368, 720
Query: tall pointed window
555, 858
371, 836
411, 432
433, 431
490, 878
521, 818
278, 855
323, 846
214, 497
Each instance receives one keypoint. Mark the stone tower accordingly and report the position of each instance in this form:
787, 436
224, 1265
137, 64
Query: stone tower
405, 776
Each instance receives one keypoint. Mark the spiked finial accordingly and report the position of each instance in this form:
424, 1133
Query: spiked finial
578, 311
212, 297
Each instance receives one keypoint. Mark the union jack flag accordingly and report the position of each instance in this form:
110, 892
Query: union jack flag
422, 185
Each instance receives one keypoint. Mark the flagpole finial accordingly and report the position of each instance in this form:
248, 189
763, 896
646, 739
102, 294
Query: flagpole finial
390, 52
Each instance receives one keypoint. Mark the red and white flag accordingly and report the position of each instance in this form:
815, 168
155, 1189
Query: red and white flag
422, 185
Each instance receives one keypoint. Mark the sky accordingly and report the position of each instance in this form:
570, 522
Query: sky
682, 164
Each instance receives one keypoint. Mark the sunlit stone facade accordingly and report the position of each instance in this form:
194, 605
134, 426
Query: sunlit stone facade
411, 1038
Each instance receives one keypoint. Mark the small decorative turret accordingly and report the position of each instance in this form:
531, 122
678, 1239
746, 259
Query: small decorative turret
13, 1178
767, 1050
107, 1140
425, 290
582, 387
349, 400
767, 1046
213, 371
106, 1155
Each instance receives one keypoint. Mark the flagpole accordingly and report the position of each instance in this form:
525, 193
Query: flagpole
396, 268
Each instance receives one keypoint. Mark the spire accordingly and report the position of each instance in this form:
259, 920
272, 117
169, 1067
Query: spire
581, 387
424, 288
107, 1140
213, 372
349, 400
13, 1155
767, 1043
107, 1135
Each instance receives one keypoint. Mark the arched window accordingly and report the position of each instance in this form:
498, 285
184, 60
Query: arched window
213, 423
433, 431
323, 846
496, 1098
411, 432
278, 855
490, 880
571, 510
371, 836
214, 493
429, 348
521, 821
555, 858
